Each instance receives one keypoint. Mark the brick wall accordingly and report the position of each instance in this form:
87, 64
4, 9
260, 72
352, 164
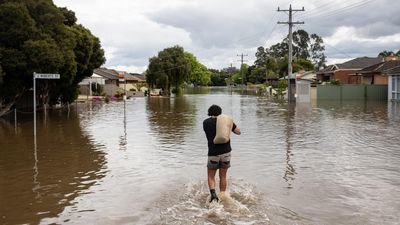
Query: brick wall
343, 75
380, 79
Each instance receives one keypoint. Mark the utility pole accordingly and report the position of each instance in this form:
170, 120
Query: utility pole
291, 81
241, 64
230, 76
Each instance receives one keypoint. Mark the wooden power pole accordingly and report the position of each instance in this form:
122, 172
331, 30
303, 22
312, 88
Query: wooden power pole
291, 81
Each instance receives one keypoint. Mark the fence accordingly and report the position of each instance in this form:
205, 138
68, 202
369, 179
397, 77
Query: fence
352, 92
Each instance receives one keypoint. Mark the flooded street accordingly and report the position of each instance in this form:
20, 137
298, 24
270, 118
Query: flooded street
144, 162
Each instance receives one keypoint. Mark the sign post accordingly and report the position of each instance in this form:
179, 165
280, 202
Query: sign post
39, 76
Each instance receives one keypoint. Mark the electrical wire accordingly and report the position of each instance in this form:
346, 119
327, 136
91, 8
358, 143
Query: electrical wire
335, 11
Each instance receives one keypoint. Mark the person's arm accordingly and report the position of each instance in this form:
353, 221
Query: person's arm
237, 131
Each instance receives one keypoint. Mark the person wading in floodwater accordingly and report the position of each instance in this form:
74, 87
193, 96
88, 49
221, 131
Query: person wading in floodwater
219, 155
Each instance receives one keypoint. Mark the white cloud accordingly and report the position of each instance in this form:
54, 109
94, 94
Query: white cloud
216, 31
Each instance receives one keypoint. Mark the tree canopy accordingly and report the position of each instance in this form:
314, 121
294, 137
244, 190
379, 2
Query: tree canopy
37, 36
386, 53
170, 68
173, 66
272, 62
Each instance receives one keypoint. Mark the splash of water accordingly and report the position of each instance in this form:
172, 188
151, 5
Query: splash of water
242, 205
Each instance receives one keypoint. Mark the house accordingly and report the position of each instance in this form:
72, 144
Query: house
113, 82
394, 84
306, 75
341, 72
375, 74
85, 86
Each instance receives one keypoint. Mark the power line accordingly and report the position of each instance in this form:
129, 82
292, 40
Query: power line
339, 51
336, 11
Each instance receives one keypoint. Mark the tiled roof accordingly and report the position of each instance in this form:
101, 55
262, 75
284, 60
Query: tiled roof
359, 63
113, 75
382, 67
106, 73
140, 77
395, 70
328, 69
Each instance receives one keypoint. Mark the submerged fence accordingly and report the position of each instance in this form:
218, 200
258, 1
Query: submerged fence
352, 92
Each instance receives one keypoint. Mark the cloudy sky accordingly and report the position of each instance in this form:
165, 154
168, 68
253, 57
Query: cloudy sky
216, 31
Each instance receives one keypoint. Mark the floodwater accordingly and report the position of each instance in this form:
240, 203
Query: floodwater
144, 162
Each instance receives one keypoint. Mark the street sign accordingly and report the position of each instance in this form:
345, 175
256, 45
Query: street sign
121, 80
47, 76
39, 76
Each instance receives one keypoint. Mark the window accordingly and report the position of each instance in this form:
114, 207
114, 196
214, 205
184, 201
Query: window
396, 87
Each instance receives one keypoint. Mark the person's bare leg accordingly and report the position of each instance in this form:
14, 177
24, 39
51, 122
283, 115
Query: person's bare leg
211, 178
211, 183
222, 178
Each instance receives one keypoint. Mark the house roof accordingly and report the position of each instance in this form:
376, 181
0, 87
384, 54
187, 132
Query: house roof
395, 70
381, 67
106, 73
128, 76
359, 63
140, 77
328, 69
113, 75
309, 75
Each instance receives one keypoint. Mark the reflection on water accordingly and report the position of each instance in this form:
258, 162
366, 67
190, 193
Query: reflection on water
171, 117
39, 183
331, 163
290, 168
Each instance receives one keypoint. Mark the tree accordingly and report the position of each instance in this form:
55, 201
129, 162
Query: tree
199, 74
261, 57
240, 76
305, 46
36, 36
169, 68
301, 43
217, 78
385, 53
317, 49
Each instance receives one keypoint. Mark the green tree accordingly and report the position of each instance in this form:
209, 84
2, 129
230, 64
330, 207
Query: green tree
305, 46
199, 74
36, 36
317, 54
170, 68
301, 43
217, 78
240, 76
261, 57
385, 53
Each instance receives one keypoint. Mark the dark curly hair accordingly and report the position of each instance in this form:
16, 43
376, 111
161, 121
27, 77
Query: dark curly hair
214, 110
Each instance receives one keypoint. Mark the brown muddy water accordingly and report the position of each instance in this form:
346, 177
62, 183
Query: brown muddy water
330, 163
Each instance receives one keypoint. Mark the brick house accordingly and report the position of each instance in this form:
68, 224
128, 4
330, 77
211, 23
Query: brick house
375, 74
342, 72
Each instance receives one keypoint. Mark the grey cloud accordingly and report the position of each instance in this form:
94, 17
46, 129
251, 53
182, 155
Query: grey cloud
352, 49
374, 19
223, 29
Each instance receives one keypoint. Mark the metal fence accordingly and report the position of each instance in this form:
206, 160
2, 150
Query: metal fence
352, 92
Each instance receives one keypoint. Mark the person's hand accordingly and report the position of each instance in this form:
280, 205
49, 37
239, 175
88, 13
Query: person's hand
237, 131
